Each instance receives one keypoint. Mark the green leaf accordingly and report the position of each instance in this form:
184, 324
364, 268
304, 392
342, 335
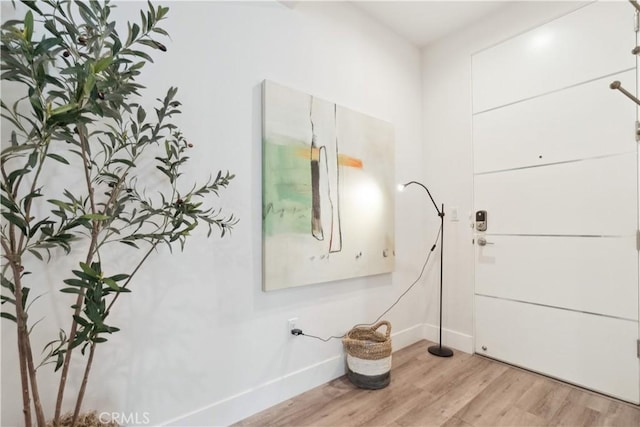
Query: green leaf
162, 11
124, 161
58, 158
152, 11
89, 270
140, 54
80, 337
160, 31
71, 291
47, 44
32, 4
33, 159
61, 205
84, 9
28, 26
119, 277
117, 45
135, 29
64, 109
15, 174
103, 63
36, 254
59, 362
154, 44
36, 104
50, 79
9, 204
17, 221
34, 229
143, 19
15, 149
84, 276
50, 26
81, 321
7, 299
129, 243
141, 114
89, 83
8, 316
77, 283
6, 283
25, 295
95, 217
111, 283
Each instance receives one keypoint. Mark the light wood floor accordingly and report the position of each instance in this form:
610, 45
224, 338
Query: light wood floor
464, 390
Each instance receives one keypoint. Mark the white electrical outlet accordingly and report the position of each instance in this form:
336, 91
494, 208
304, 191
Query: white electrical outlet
292, 324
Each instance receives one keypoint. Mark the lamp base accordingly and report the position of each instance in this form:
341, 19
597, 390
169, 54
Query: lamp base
440, 351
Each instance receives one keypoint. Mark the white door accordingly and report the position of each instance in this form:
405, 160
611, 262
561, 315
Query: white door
556, 169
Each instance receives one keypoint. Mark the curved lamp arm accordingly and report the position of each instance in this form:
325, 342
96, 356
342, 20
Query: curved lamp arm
440, 212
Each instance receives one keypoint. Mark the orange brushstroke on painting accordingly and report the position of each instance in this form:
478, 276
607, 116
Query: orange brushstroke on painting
352, 162
343, 159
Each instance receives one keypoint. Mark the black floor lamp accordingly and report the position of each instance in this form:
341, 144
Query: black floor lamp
436, 350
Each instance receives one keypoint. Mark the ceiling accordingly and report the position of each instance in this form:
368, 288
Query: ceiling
422, 22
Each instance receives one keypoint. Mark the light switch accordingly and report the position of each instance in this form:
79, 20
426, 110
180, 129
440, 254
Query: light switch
454, 214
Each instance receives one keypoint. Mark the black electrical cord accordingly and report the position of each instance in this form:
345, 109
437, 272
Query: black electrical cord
424, 266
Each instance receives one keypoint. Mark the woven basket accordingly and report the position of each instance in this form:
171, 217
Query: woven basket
369, 355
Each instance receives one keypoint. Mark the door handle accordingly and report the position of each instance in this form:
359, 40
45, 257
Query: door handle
483, 242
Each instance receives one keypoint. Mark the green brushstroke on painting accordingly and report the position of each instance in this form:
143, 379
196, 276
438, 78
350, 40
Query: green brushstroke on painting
286, 189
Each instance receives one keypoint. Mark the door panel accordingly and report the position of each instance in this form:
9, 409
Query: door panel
589, 274
591, 351
520, 136
589, 197
575, 48
555, 167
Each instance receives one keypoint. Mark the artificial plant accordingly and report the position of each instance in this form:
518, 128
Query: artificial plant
77, 115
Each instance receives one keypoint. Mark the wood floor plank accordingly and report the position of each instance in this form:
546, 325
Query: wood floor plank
462, 391
380, 407
621, 414
544, 398
571, 414
454, 392
302, 406
493, 403
514, 416
456, 422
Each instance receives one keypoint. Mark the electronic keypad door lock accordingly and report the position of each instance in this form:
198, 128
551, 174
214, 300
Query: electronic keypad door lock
481, 220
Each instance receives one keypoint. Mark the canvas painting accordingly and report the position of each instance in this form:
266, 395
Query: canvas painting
328, 191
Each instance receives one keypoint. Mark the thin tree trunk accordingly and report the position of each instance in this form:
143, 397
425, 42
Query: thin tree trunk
67, 355
90, 254
24, 376
66, 364
37, 404
22, 354
83, 387
27, 369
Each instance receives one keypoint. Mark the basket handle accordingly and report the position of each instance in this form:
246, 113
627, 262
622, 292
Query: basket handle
383, 323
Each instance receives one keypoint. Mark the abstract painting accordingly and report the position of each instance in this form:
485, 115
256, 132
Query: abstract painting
328, 191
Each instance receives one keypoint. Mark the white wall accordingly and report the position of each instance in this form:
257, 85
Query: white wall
448, 151
201, 344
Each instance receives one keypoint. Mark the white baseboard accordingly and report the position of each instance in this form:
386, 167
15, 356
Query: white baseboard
452, 339
242, 405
